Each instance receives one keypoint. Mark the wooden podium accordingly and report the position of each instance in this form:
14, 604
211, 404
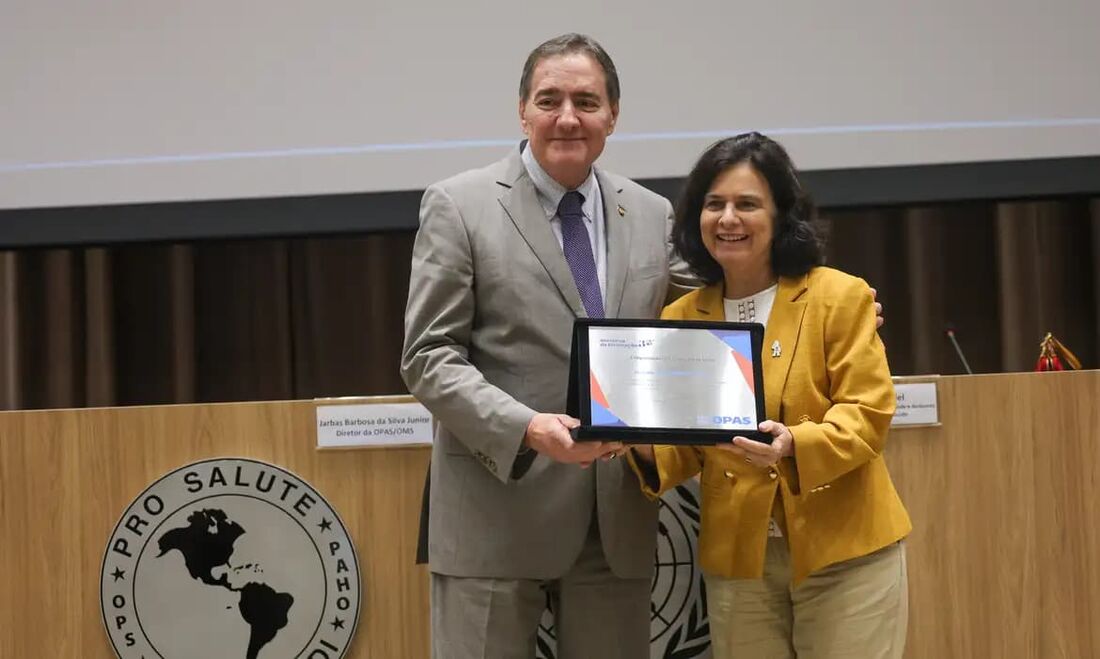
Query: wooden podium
66, 477
1004, 560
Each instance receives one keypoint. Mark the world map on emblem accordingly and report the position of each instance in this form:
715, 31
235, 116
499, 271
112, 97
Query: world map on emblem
206, 544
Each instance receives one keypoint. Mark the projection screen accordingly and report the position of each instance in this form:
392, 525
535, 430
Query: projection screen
126, 101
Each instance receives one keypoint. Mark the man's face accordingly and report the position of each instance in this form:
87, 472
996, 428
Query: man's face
567, 116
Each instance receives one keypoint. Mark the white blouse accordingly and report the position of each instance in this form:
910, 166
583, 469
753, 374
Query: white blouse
752, 309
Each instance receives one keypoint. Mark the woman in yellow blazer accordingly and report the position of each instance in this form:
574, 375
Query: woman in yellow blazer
799, 540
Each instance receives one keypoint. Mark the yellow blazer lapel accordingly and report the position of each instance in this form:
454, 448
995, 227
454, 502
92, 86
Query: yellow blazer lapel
784, 327
708, 304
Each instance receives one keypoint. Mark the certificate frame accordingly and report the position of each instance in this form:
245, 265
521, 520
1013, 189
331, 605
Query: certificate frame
579, 399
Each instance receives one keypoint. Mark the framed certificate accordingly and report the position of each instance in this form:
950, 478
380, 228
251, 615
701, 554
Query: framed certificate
666, 381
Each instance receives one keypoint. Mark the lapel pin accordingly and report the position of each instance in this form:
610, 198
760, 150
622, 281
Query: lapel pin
775, 348
622, 211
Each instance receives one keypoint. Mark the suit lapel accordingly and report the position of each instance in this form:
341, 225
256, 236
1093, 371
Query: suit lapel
618, 227
709, 304
521, 204
784, 327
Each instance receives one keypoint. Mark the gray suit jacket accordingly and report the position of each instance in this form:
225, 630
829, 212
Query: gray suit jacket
487, 336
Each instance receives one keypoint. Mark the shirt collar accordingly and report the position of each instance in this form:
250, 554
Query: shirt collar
550, 191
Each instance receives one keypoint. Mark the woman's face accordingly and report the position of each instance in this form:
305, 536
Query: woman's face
738, 221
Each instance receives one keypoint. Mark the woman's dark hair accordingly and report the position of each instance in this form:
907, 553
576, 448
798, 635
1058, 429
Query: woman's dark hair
796, 244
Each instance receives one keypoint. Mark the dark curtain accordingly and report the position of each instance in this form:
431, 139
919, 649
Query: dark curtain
1001, 274
303, 318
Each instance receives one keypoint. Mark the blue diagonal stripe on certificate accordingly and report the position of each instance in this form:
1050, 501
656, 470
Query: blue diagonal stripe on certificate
601, 416
739, 340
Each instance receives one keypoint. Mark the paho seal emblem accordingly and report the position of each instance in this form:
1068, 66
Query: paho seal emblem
230, 558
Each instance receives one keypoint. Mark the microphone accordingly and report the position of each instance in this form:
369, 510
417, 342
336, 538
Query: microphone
949, 330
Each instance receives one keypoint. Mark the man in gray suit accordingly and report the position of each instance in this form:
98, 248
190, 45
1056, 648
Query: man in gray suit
505, 259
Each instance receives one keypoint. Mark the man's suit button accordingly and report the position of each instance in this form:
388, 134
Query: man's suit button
486, 460
772, 475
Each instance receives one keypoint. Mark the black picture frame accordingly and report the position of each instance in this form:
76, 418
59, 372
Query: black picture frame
579, 396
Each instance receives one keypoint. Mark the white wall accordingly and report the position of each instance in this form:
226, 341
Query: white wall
143, 100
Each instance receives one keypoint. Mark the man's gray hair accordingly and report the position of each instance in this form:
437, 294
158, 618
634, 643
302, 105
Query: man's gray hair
568, 44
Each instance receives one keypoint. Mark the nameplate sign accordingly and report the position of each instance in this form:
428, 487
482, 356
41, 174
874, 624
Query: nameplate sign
917, 405
373, 425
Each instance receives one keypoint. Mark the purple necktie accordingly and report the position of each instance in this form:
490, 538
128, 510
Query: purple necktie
578, 252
